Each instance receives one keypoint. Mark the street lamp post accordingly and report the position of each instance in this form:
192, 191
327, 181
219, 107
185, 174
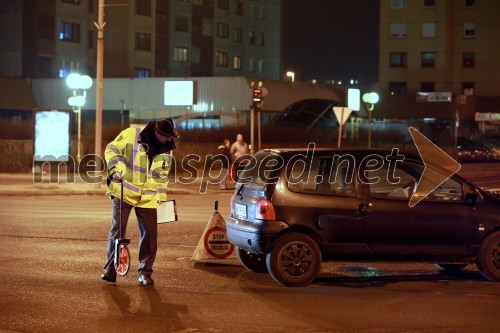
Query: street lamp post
291, 75
370, 99
79, 84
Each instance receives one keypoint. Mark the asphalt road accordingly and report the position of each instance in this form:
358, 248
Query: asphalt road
52, 249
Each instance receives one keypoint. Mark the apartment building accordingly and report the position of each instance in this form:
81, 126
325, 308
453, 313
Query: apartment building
439, 58
142, 38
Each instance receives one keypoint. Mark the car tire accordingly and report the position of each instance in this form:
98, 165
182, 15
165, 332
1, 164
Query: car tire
452, 267
488, 261
251, 261
294, 260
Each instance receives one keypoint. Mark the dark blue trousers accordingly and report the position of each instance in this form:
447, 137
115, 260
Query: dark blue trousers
148, 231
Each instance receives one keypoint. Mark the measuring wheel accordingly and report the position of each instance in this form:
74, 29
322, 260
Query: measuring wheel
122, 257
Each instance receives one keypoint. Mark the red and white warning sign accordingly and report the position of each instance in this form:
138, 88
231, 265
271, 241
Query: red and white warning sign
217, 244
214, 244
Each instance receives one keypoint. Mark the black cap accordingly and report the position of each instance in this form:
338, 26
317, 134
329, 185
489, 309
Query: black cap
166, 127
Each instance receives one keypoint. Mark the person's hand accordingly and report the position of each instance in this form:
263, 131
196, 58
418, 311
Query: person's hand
117, 177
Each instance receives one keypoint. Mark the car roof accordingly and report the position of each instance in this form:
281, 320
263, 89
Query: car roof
350, 150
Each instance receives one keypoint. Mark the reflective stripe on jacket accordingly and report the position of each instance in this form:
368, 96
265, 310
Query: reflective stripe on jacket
143, 185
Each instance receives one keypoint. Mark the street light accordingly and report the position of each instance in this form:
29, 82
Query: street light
370, 99
291, 74
79, 84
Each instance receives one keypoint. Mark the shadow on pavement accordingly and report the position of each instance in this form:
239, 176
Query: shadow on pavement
148, 313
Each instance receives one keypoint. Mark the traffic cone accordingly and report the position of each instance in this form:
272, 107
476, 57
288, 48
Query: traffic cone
214, 244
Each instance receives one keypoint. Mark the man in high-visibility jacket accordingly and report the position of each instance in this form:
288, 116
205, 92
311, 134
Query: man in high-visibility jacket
140, 161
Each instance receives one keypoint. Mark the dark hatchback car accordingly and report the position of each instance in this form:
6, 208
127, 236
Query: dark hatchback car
292, 209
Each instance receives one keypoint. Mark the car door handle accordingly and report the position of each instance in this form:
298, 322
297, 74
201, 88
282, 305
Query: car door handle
363, 210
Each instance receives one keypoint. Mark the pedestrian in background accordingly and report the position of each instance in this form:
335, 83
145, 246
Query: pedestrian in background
238, 149
225, 151
140, 162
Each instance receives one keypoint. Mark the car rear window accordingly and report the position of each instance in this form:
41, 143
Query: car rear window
262, 168
325, 175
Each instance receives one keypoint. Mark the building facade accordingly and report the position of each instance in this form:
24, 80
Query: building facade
142, 38
429, 47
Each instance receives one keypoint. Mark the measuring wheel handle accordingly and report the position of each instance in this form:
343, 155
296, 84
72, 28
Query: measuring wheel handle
122, 256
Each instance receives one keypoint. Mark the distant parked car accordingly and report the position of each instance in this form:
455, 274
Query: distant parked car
286, 221
480, 152
493, 145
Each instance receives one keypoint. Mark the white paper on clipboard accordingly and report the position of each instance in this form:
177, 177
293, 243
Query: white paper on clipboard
166, 212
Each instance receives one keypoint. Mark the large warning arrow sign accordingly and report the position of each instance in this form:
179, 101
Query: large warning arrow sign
439, 166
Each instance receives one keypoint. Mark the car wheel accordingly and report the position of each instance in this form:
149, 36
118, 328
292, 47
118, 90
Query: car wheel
489, 257
251, 261
452, 267
294, 260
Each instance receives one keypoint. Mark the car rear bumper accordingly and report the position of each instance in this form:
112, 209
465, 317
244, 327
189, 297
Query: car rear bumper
253, 237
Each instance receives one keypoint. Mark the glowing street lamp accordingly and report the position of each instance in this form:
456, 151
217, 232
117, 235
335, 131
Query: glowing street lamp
79, 84
370, 99
291, 74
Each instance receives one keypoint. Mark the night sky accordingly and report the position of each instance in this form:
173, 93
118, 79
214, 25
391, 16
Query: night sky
331, 39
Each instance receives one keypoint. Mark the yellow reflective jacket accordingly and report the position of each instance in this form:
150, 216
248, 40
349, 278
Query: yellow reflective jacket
143, 185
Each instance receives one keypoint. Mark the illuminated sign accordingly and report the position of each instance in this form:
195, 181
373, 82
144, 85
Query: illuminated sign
51, 136
353, 99
434, 97
178, 93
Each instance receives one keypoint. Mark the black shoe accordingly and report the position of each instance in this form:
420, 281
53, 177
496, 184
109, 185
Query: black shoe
108, 277
146, 279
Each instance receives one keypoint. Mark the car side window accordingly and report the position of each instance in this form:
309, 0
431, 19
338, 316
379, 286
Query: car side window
326, 177
404, 180
381, 186
450, 190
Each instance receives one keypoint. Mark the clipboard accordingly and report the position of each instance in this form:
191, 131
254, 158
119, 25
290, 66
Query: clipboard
166, 212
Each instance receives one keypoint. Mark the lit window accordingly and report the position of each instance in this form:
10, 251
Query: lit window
468, 60
141, 72
469, 30
468, 88
397, 59
70, 32
428, 59
180, 54
237, 62
399, 30
428, 30
221, 59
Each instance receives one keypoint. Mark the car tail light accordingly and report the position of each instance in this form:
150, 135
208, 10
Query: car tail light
265, 210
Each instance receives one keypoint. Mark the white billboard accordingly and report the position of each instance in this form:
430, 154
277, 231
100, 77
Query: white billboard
51, 136
179, 93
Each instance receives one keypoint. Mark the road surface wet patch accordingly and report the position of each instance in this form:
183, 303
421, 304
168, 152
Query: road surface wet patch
371, 276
